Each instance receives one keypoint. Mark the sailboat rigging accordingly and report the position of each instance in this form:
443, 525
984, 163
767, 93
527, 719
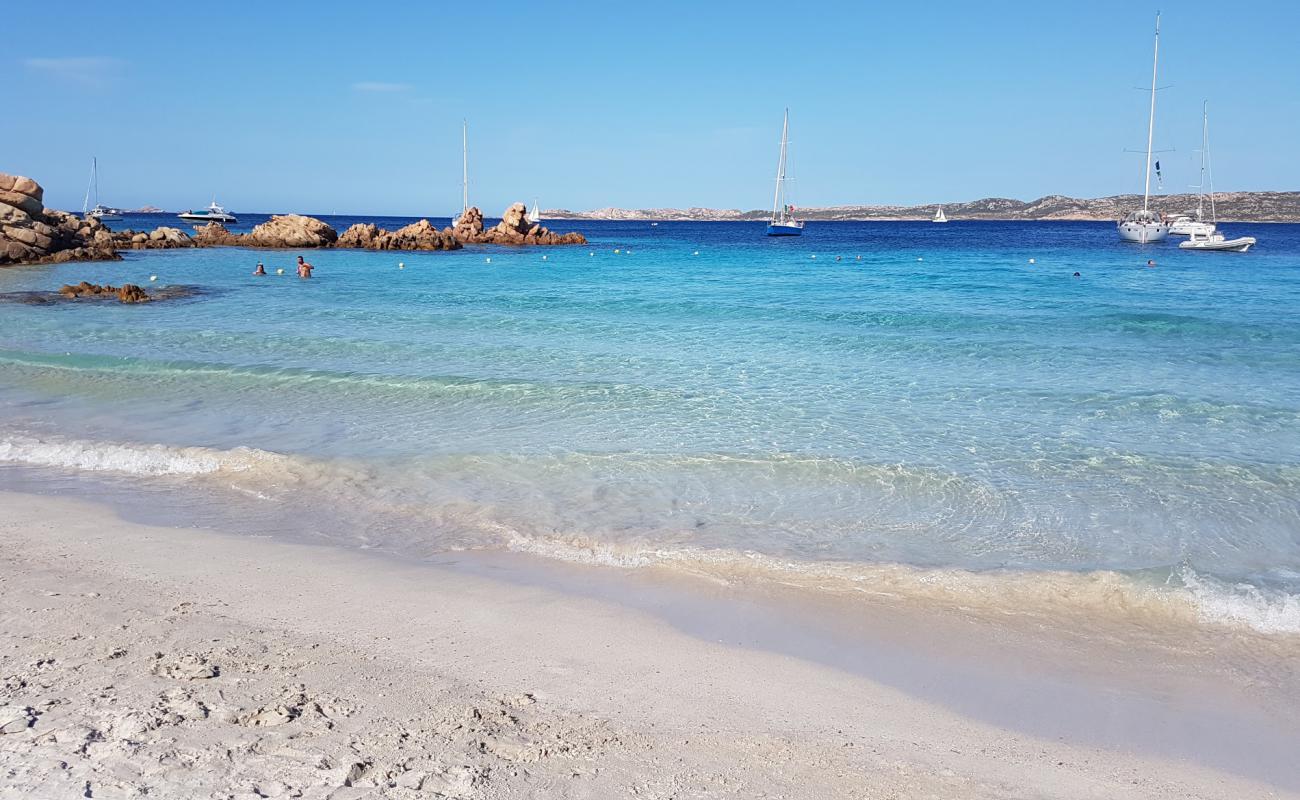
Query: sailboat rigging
100, 212
783, 222
1145, 225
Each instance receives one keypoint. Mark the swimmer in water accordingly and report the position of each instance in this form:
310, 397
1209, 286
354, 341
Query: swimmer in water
260, 269
304, 269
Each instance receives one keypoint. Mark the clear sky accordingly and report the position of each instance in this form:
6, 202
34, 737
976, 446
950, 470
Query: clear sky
356, 107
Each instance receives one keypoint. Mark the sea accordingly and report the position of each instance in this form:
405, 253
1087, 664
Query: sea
1028, 417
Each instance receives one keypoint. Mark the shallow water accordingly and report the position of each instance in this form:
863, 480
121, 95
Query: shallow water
880, 406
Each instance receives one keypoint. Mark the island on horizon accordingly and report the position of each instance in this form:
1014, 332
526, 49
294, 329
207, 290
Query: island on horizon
1231, 206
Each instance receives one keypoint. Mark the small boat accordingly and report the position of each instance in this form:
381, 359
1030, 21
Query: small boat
939, 215
1211, 239
534, 216
783, 222
1217, 241
1145, 226
213, 213
100, 212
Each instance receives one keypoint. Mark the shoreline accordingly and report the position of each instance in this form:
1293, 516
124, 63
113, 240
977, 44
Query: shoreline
891, 700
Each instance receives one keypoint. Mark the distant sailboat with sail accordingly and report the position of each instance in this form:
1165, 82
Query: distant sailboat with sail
783, 222
939, 215
535, 216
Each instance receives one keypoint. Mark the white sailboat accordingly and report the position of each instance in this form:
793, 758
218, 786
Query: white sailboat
100, 211
1211, 239
1145, 225
783, 222
939, 215
535, 216
464, 179
1187, 224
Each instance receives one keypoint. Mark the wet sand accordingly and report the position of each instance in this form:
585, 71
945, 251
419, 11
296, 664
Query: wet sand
202, 664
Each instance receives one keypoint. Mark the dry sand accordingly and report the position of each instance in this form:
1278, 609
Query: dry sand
142, 661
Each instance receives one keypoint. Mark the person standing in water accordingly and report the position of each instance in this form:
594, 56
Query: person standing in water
260, 269
304, 269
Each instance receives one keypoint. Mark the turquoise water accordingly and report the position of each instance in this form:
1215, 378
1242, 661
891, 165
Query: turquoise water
898, 396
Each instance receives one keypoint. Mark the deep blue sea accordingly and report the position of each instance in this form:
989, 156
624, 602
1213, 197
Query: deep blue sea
895, 407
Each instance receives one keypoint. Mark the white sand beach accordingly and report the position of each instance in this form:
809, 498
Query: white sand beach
184, 663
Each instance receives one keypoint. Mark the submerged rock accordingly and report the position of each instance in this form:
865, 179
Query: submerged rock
126, 293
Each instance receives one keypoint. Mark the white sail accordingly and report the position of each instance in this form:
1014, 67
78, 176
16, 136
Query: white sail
535, 215
783, 222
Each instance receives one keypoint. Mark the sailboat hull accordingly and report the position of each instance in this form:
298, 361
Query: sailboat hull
779, 229
1143, 232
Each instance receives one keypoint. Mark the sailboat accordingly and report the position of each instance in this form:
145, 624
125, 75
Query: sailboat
534, 216
939, 215
1186, 224
100, 212
1145, 225
464, 179
783, 222
1212, 239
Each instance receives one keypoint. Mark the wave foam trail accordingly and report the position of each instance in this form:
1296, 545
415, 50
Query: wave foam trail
134, 459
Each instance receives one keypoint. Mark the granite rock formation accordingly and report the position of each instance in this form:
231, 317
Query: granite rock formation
290, 230
32, 234
514, 228
420, 235
126, 293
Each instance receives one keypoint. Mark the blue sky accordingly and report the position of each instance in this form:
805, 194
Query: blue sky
356, 108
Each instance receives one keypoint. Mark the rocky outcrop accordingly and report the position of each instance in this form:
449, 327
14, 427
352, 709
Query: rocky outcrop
469, 226
214, 234
291, 230
420, 235
32, 234
126, 293
161, 238
514, 229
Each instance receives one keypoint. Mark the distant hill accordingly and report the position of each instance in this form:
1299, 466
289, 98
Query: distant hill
1232, 207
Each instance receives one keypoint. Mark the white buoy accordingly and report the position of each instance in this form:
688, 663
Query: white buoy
616, 250
543, 258
153, 277
488, 259
280, 271
1031, 261
814, 255
696, 253
918, 258
401, 265
592, 253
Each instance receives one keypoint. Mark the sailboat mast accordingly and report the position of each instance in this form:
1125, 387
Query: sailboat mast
1151, 120
94, 178
1205, 144
1209, 165
780, 165
464, 152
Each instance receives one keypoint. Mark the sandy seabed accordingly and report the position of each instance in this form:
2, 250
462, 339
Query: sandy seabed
161, 662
